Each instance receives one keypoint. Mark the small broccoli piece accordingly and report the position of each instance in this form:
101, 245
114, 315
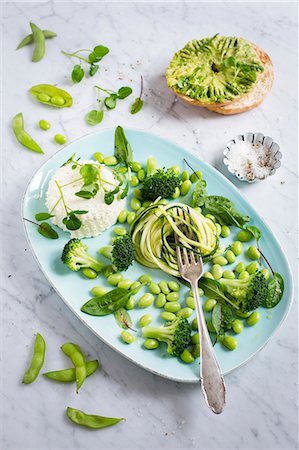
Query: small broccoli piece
158, 182
176, 335
75, 256
123, 252
248, 294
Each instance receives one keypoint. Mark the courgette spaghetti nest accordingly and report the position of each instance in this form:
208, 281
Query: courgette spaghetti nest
153, 231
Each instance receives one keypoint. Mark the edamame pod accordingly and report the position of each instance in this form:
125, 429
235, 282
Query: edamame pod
39, 39
29, 38
69, 375
44, 93
22, 136
37, 360
76, 356
90, 421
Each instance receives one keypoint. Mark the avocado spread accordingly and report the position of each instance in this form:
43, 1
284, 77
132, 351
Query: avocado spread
214, 70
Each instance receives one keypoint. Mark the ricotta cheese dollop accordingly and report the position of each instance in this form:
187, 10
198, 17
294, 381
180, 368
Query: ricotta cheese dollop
100, 216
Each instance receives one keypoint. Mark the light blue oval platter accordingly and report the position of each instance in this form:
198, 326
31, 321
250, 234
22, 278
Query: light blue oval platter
74, 289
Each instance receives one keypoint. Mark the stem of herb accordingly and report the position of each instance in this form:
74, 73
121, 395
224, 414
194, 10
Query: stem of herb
108, 91
76, 56
31, 221
62, 197
264, 257
55, 205
191, 168
71, 182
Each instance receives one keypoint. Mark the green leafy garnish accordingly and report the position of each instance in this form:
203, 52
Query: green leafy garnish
108, 303
275, 291
222, 318
43, 216
72, 222
47, 231
123, 318
199, 195
94, 117
122, 149
94, 56
224, 211
138, 103
256, 233
77, 73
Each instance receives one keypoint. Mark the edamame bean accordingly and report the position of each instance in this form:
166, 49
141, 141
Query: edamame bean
110, 161
134, 181
194, 324
220, 260
240, 267
137, 194
185, 175
225, 231
176, 193
125, 284
154, 288
175, 169
230, 256
145, 279
99, 291
135, 204
57, 100
209, 304
44, 125
146, 300
195, 338
37, 360
242, 314
131, 303
244, 236
135, 285
229, 342
237, 326
89, 273
253, 267
120, 231
173, 296
244, 275
98, 156
174, 286
127, 337
208, 275
185, 313
172, 307
196, 176
60, 139
187, 357
151, 344
253, 319
266, 273
217, 271
145, 320
141, 174
218, 229
122, 217
228, 274
43, 97
237, 248
168, 316
136, 166
211, 217
210, 327
196, 351
160, 300
123, 170
190, 302
164, 287
253, 253
115, 278
200, 292
75, 354
131, 217
185, 187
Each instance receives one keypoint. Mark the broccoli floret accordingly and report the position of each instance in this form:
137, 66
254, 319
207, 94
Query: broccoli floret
75, 256
176, 335
248, 294
158, 182
123, 252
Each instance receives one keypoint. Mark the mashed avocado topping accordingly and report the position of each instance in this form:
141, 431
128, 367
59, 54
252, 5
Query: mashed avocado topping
216, 69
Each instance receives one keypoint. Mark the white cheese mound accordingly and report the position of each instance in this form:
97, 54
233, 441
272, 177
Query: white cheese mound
100, 216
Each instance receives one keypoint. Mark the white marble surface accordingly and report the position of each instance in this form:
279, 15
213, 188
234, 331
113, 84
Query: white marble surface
261, 411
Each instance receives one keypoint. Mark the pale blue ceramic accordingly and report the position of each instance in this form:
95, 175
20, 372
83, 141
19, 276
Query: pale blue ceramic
75, 290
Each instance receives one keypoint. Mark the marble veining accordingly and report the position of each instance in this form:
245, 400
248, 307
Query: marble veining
262, 403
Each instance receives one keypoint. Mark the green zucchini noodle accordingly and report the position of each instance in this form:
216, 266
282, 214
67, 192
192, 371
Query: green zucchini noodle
153, 234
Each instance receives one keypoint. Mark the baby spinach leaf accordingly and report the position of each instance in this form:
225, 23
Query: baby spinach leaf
77, 73
94, 117
254, 231
275, 291
43, 216
108, 303
224, 211
123, 318
47, 231
212, 289
122, 148
222, 318
124, 92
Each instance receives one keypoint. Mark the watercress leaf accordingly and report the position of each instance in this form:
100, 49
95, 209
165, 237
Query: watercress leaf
212, 289
107, 303
199, 194
94, 117
122, 149
136, 106
254, 231
43, 216
84, 194
93, 69
47, 231
89, 173
77, 73
109, 197
80, 211
110, 102
275, 291
224, 211
124, 92
123, 318
72, 222
222, 318
125, 191
100, 51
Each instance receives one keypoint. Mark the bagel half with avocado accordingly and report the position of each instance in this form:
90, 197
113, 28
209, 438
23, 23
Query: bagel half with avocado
227, 75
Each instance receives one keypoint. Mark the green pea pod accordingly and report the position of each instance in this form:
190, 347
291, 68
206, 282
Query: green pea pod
69, 375
51, 95
39, 39
75, 354
90, 421
22, 136
37, 360
29, 38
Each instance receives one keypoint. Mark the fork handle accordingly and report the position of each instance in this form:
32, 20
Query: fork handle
212, 381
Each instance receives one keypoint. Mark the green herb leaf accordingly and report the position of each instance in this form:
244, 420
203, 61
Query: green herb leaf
224, 211
199, 194
77, 73
137, 106
122, 149
254, 231
80, 211
84, 194
110, 102
94, 117
93, 69
70, 160
89, 173
222, 318
123, 318
108, 303
275, 291
47, 231
109, 197
72, 222
43, 216
124, 92
212, 289
125, 191
100, 51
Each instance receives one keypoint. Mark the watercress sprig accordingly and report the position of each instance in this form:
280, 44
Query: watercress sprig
93, 57
138, 103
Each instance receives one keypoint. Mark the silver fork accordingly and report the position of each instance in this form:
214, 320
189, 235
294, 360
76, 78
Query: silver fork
212, 382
